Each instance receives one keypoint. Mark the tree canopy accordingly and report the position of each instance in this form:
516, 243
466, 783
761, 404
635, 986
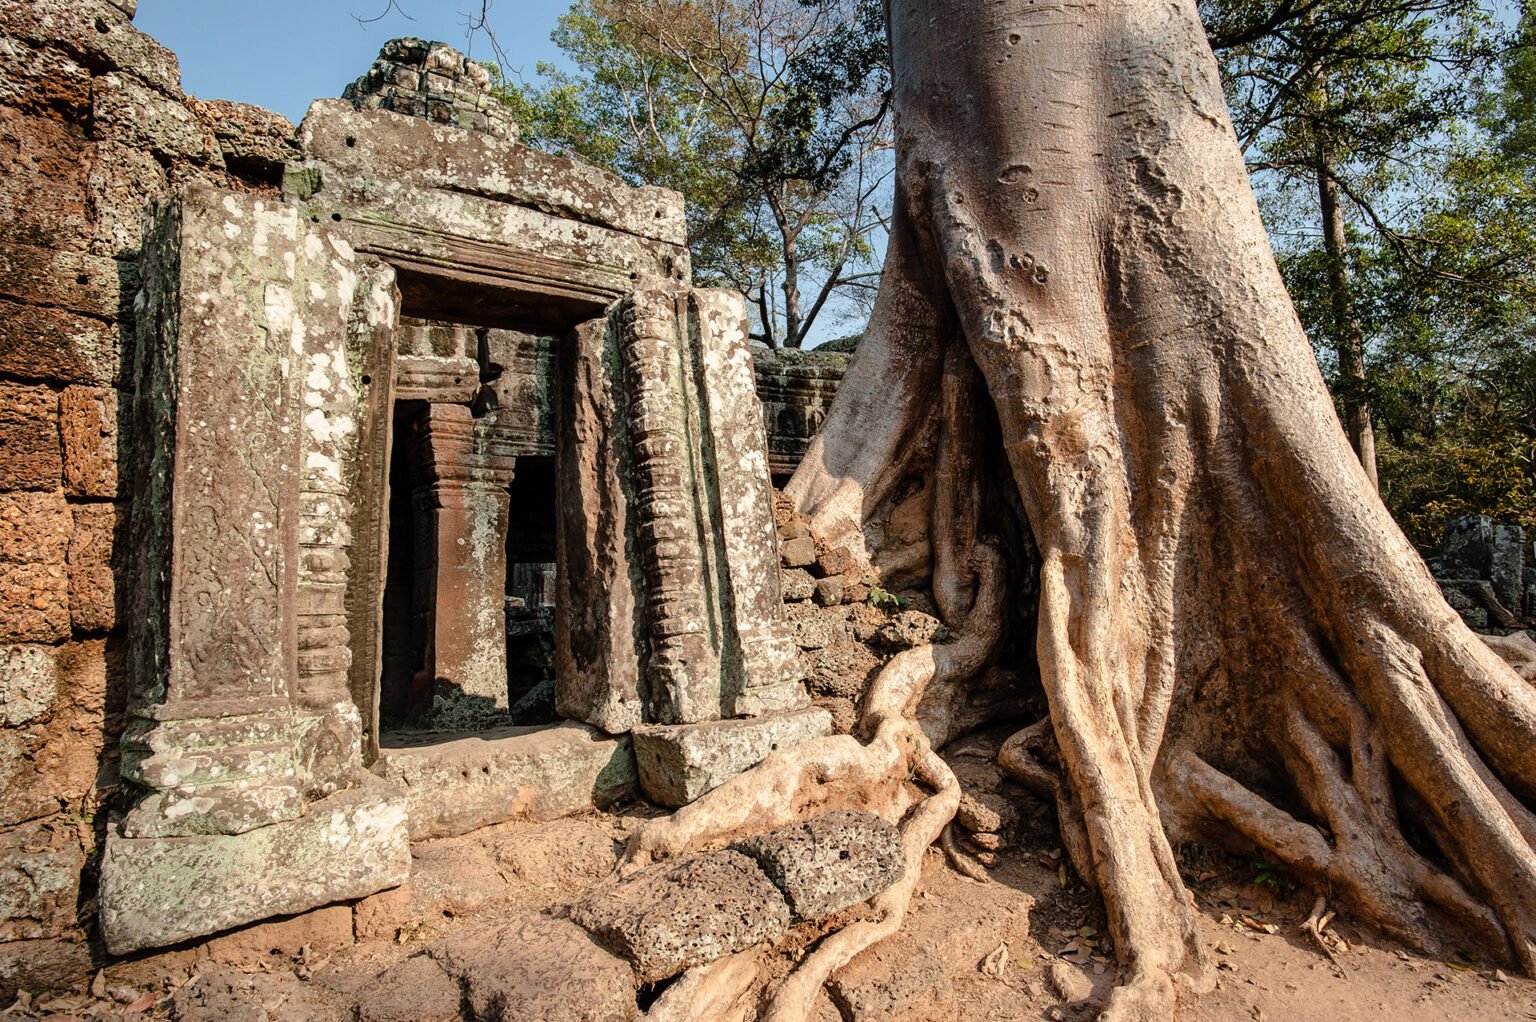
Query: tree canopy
1384, 139
770, 116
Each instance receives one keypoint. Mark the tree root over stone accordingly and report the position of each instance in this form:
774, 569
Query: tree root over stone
881, 776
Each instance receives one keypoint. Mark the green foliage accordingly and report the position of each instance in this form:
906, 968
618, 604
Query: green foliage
769, 116
634, 111
1272, 875
1421, 113
879, 597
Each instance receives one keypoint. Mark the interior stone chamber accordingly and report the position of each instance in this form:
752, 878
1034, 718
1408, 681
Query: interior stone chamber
459, 511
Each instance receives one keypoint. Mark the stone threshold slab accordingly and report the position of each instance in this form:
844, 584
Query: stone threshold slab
679, 762
458, 783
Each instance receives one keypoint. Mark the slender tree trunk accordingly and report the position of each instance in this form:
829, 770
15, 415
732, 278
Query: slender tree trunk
1349, 344
770, 337
792, 328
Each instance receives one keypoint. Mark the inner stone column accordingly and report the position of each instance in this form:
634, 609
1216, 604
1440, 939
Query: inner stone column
461, 522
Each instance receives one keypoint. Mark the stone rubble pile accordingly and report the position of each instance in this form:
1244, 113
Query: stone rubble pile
845, 623
432, 80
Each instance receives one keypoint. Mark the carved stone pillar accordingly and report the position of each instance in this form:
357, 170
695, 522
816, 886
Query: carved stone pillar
461, 530
671, 612
242, 739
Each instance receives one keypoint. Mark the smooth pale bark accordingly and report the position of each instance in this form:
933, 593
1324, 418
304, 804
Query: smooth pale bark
1229, 620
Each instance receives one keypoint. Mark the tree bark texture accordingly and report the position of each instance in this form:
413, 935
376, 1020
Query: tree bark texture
1082, 340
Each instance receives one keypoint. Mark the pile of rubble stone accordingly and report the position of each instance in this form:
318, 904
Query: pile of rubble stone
846, 625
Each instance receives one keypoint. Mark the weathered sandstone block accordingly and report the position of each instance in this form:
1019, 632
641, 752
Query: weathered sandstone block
88, 428
679, 762
669, 919
160, 891
29, 438
455, 787
829, 862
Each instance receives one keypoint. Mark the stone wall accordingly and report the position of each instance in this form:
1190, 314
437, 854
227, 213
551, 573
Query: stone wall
1488, 572
93, 123
796, 389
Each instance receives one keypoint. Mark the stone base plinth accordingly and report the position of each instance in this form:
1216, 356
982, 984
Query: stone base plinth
457, 784
164, 890
678, 763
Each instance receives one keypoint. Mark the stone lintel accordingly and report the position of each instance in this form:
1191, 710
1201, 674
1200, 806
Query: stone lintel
161, 891
439, 379
515, 263
417, 152
515, 773
679, 762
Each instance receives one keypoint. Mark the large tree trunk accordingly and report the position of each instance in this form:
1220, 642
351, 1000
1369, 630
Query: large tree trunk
1236, 642
1082, 338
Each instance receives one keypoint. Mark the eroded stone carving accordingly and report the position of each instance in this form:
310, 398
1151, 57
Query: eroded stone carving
250, 419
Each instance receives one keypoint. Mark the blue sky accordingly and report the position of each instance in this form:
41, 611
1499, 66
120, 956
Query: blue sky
280, 54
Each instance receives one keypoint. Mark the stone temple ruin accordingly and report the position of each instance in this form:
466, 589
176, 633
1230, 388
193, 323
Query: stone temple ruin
372, 481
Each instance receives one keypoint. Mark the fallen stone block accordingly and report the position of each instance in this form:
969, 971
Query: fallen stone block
163, 890
798, 553
796, 584
679, 762
829, 591
829, 862
837, 561
672, 918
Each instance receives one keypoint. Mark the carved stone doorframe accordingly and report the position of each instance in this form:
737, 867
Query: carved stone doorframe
254, 328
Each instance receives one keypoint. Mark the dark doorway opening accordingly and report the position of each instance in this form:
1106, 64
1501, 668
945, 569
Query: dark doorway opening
404, 698
472, 468
531, 524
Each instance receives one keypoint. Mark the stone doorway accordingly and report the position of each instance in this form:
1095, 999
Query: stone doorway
468, 603
334, 455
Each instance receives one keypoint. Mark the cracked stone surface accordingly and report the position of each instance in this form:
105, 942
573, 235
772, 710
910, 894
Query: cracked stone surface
829, 862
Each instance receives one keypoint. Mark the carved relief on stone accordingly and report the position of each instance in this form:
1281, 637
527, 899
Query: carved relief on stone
245, 324
698, 604
242, 734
